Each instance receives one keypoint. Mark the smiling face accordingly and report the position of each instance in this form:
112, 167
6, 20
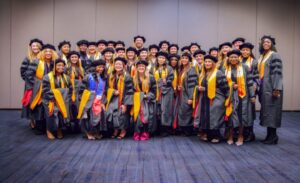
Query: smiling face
208, 64
237, 44
65, 49
184, 60
173, 50
139, 43
99, 69
101, 47
130, 55
92, 49
121, 53
246, 52
83, 48
226, 49
267, 44
194, 48
214, 53
143, 55
119, 65
161, 60
59, 68
173, 62
164, 47
141, 68
199, 58
108, 55
233, 59
153, 51
35, 48
74, 59
48, 54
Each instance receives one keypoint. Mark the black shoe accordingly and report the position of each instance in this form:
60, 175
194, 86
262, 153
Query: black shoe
250, 138
272, 141
38, 132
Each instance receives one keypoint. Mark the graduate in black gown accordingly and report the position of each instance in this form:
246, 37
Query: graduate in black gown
34, 48
270, 88
57, 91
143, 109
91, 110
36, 71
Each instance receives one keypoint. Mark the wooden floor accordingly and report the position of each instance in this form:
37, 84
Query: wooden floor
25, 157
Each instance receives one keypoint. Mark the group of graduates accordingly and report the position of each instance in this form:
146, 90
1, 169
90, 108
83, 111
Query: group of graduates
106, 90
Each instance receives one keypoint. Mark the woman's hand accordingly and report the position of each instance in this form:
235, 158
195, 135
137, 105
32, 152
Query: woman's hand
116, 92
201, 88
189, 102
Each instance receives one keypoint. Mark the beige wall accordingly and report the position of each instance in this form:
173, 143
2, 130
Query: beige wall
208, 22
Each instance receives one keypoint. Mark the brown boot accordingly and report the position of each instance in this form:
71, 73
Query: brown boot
59, 133
50, 135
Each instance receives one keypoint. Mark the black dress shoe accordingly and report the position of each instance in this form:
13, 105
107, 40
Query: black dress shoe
250, 138
272, 140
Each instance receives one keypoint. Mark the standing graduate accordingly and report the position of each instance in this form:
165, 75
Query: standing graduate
199, 58
153, 49
91, 109
119, 98
131, 56
35, 73
210, 105
224, 48
249, 60
187, 81
64, 49
270, 88
139, 42
82, 48
164, 46
173, 49
75, 72
34, 48
174, 63
108, 57
143, 110
164, 76
57, 91
238, 42
242, 95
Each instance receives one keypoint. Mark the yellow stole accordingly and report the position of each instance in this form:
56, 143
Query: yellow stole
72, 78
137, 97
249, 62
120, 88
38, 74
261, 63
240, 79
174, 82
157, 76
110, 68
57, 96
